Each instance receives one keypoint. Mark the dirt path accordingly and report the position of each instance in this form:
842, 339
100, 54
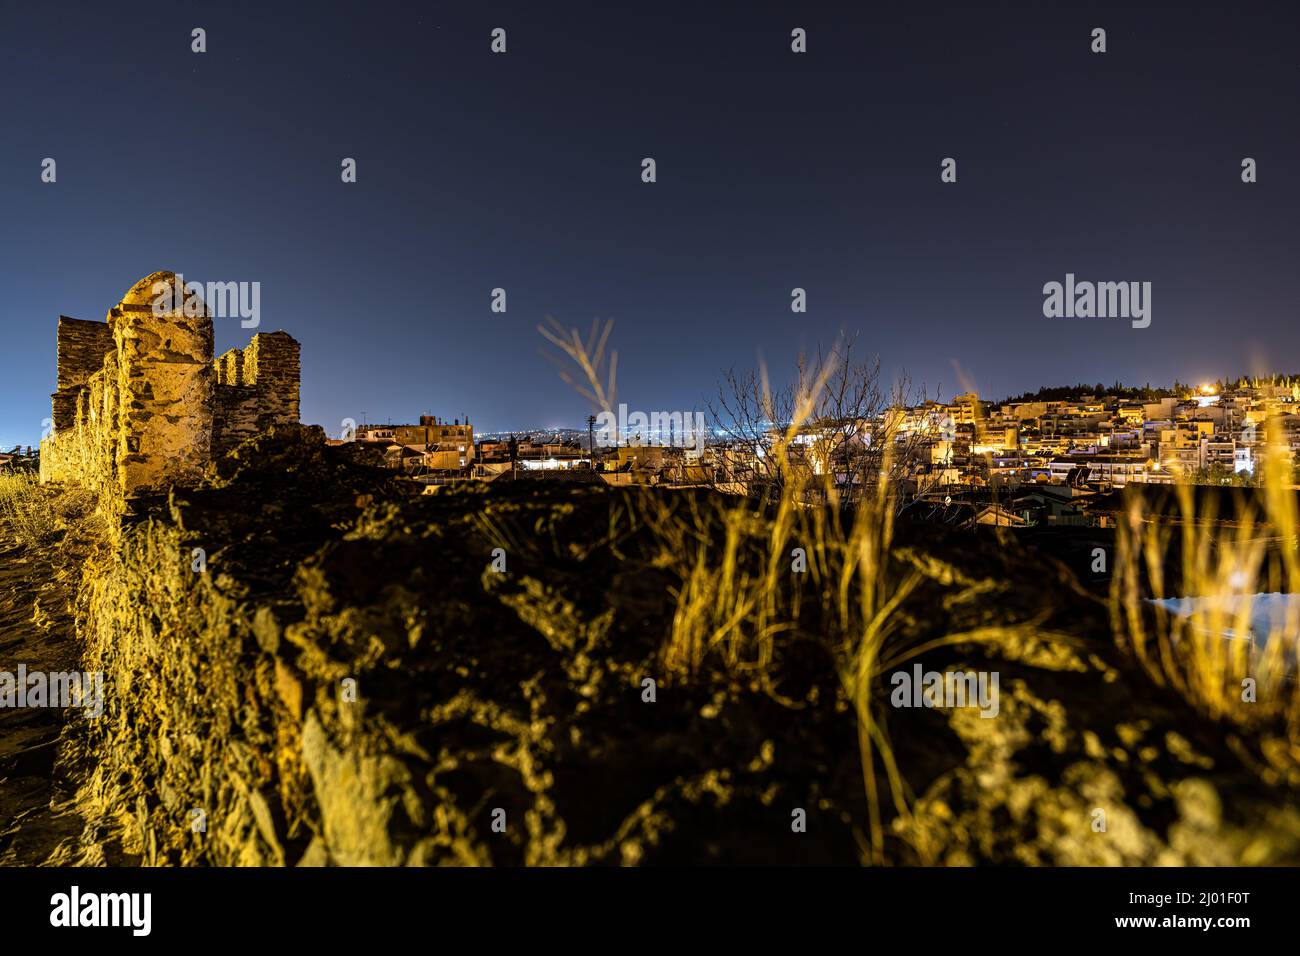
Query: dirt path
36, 629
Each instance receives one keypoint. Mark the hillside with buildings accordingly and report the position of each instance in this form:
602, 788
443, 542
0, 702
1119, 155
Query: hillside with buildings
1018, 463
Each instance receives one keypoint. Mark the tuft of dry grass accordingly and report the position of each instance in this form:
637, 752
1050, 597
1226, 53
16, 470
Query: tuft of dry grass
738, 599
27, 509
1192, 621
36, 515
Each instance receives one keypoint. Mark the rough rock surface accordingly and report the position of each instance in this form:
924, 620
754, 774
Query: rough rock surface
38, 588
350, 682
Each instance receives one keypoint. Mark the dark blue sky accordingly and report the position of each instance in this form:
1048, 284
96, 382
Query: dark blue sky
775, 170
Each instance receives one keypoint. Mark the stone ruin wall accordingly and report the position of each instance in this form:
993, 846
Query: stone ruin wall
256, 387
82, 347
84, 445
140, 404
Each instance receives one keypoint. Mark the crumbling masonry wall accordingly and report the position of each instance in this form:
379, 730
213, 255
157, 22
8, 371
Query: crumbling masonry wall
165, 385
82, 347
140, 403
87, 440
257, 387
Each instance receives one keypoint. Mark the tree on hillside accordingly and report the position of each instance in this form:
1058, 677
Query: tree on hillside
835, 426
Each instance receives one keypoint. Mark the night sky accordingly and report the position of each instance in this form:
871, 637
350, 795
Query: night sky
775, 170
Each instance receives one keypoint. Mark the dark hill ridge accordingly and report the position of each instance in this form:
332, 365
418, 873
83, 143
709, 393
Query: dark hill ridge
478, 691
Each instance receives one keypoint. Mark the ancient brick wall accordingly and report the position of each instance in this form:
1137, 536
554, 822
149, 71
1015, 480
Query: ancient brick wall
271, 363
238, 409
81, 347
256, 387
230, 368
141, 405
86, 449
165, 378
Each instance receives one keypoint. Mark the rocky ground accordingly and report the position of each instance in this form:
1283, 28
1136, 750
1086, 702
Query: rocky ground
350, 680
37, 591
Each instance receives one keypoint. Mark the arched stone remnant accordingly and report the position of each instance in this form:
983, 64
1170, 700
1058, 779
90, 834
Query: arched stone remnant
173, 408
